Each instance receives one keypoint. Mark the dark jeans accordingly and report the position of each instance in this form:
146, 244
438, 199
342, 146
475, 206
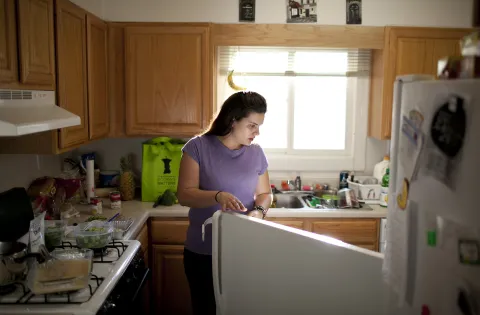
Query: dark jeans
198, 269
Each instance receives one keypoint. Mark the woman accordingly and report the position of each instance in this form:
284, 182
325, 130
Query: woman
221, 169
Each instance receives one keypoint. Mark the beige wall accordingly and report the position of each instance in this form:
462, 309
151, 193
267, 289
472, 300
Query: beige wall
448, 13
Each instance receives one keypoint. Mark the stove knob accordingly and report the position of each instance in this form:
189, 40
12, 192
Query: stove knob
108, 306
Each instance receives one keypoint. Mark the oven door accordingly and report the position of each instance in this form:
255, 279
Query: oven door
129, 294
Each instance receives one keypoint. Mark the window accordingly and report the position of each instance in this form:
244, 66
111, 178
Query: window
317, 102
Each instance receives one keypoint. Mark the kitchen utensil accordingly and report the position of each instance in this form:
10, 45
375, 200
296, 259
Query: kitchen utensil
13, 266
15, 214
112, 218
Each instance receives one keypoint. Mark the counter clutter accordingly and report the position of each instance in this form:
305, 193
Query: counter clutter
140, 212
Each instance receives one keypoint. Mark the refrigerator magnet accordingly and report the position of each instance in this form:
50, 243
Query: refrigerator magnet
469, 252
402, 198
442, 150
449, 126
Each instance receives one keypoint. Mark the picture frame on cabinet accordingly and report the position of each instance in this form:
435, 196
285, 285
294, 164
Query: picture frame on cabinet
301, 11
246, 11
354, 11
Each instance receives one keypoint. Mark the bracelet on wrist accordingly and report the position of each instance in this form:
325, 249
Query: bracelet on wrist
261, 209
217, 195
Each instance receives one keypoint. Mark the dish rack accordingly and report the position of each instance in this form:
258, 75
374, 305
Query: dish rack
369, 193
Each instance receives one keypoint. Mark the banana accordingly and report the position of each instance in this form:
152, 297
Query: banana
232, 84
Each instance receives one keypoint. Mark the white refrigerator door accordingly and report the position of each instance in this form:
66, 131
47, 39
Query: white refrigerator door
261, 267
446, 186
396, 250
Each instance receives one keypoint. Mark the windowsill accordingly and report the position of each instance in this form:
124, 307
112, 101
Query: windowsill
313, 163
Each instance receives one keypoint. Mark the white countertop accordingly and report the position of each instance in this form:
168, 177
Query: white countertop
141, 211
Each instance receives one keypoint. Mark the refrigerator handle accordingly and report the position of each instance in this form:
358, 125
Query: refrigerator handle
217, 286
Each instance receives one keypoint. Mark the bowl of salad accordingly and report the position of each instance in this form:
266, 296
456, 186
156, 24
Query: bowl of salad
94, 234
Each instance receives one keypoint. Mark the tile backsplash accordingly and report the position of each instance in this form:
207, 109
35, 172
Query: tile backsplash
20, 170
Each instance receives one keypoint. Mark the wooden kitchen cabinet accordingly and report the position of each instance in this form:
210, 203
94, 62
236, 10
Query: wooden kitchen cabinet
167, 79
359, 232
407, 50
362, 232
170, 285
27, 51
170, 290
72, 70
81, 69
98, 113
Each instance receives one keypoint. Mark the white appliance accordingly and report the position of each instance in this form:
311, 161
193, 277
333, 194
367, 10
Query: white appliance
24, 112
117, 276
432, 254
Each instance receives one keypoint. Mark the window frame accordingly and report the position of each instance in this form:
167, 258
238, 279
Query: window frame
300, 160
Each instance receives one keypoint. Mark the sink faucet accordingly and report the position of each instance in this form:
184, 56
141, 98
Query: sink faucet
298, 183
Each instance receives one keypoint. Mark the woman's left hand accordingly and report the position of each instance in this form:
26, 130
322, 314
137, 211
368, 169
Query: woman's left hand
256, 214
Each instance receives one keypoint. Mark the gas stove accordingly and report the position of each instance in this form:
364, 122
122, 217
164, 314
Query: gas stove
117, 275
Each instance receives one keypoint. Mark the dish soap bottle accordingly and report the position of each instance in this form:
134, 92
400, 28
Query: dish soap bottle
380, 168
384, 191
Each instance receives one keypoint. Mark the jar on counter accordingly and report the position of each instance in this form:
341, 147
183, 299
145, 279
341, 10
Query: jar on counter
96, 206
115, 200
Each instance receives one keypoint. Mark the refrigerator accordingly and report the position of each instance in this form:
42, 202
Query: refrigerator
431, 260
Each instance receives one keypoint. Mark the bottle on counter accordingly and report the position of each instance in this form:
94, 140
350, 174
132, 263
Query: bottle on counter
381, 167
384, 191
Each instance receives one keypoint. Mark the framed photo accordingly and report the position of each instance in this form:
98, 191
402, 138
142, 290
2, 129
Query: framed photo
246, 11
301, 11
354, 11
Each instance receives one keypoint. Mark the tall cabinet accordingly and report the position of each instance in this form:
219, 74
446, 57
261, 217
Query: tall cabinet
407, 50
167, 79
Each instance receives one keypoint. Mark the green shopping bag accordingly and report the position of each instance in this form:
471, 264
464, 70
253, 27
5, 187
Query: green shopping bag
160, 165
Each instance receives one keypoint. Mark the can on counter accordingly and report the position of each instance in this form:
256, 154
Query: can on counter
115, 200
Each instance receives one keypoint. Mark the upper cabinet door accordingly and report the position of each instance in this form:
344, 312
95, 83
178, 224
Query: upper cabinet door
8, 42
98, 110
72, 70
407, 50
36, 43
167, 80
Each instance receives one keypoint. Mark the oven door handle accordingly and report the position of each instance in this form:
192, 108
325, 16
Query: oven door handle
142, 283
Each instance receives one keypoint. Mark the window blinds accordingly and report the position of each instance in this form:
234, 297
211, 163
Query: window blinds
284, 61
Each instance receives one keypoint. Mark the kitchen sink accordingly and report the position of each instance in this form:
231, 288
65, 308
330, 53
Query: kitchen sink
297, 201
290, 201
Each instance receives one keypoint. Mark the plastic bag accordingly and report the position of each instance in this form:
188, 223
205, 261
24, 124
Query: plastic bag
37, 230
160, 166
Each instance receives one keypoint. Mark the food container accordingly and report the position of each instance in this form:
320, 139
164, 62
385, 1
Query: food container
95, 234
69, 270
54, 232
120, 227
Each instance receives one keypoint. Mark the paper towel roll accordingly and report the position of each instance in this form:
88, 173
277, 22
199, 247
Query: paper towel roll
90, 180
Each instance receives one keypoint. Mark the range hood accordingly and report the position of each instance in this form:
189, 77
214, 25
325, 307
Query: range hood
25, 112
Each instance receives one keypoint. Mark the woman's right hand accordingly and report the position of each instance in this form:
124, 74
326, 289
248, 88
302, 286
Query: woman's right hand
230, 202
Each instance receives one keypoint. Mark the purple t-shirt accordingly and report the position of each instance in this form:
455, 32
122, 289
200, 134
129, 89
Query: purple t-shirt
233, 171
